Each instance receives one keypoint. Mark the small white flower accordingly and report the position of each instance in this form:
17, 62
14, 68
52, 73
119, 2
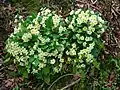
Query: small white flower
93, 20
72, 52
102, 30
43, 20
92, 12
16, 30
35, 56
67, 52
30, 26
89, 32
34, 71
33, 63
100, 20
78, 66
31, 52
88, 39
16, 21
87, 12
20, 17
82, 65
61, 60
41, 65
73, 20
61, 29
56, 20
84, 44
85, 29
82, 38
79, 21
78, 11
28, 70
34, 31
91, 28
60, 55
55, 69
60, 65
52, 61
71, 26
72, 12
35, 47
92, 44
77, 35
66, 20
81, 61
74, 45
47, 11
69, 59
100, 25
80, 56
21, 64
48, 39
38, 14
98, 36
26, 37
49, 15
44, 60
90, 48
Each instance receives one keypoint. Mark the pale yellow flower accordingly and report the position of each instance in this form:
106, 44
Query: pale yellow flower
34, 31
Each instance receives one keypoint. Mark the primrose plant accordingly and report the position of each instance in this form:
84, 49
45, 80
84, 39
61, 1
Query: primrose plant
45, 44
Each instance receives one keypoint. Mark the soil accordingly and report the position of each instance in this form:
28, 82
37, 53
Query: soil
5, 29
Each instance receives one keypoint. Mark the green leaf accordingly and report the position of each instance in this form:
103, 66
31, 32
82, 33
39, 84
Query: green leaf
95, 52
47, 79
46, 70
83, 75
16, 88
7, 60
116, 64
36, 62
96, 65
74, 69
49, 23
31, 59
39, 18
23, 71
7, 57
25, 74
34, 38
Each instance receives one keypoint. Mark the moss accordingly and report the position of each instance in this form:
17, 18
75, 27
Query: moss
32, 6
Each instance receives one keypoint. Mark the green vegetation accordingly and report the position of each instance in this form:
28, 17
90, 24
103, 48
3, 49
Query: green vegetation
47, 46
60, 45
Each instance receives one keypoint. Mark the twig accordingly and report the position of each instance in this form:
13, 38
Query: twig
112, 7
69, 85
95, 8
89, 5
48, 2
49, 88
116, 41
115, 11
81, 1
93, 2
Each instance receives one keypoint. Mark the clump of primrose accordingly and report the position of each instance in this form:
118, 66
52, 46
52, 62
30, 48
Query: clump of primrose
45, 43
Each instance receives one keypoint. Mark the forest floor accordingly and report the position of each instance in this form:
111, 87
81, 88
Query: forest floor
110, 10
